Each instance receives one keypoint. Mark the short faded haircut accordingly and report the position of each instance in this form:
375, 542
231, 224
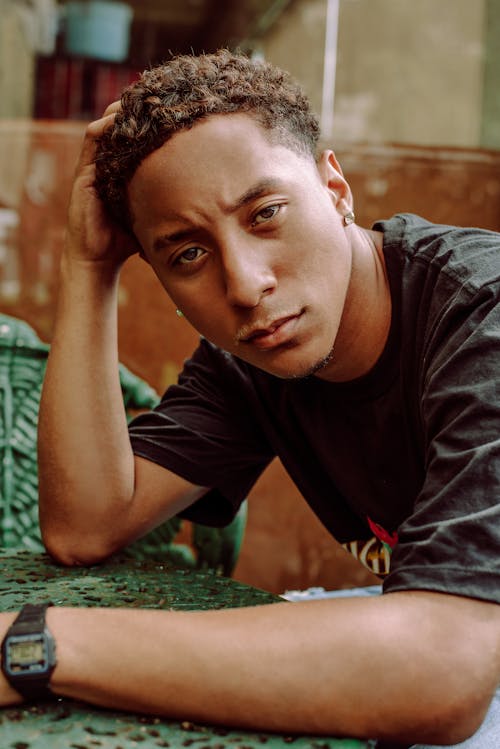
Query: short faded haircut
177, 94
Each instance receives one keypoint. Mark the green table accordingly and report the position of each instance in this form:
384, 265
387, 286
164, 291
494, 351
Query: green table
68, 724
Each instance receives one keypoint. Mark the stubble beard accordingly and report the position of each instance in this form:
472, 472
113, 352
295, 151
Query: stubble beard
314, 368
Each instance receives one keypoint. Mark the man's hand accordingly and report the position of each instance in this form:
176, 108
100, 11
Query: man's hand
92, 235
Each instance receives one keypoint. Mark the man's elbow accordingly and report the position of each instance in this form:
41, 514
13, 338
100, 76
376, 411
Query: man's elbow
453, 719
69, 551
82, 540
462, 720
450, 669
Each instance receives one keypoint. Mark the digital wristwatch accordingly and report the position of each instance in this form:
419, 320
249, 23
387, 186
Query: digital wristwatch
29, 653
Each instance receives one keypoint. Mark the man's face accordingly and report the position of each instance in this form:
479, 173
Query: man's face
246, 237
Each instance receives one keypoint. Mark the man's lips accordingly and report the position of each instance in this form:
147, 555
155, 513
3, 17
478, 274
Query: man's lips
270, 335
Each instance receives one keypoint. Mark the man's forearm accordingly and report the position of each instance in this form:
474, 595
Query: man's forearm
85, 460
403, 667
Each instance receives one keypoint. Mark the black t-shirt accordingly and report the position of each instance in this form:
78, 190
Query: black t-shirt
409, 453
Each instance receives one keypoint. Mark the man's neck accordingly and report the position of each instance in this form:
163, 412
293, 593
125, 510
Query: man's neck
366, 317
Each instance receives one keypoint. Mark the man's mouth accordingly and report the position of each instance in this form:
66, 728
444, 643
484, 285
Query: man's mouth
270, 335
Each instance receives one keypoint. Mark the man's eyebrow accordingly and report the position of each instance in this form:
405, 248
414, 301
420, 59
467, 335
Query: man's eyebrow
176, 236
260, 188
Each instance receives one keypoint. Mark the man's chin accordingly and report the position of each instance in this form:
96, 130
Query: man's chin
298, 370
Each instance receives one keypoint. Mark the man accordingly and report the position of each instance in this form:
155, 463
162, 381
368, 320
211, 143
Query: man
364, 358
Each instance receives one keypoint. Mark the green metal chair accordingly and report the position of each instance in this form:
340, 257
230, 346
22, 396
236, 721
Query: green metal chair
23, 359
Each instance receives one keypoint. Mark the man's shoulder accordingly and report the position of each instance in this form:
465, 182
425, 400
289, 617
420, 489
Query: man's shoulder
469, 256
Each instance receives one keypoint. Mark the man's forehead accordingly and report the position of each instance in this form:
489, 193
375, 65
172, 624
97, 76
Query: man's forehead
235, 133
218, 165
218, 155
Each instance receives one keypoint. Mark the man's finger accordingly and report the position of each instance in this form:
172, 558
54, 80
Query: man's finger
93, 131
113, 108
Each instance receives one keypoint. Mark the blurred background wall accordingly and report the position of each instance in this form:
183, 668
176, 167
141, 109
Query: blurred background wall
408, 97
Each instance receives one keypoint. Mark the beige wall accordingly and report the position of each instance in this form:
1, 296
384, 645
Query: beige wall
408, 71
490, 130
297, 43
16, 65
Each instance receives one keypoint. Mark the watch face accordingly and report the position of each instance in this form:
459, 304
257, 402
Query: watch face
26, 654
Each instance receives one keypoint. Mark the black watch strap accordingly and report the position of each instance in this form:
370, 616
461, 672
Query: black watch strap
28, 653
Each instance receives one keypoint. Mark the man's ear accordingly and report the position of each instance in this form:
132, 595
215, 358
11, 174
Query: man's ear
332, 177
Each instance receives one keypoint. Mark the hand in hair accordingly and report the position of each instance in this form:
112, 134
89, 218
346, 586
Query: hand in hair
93, 235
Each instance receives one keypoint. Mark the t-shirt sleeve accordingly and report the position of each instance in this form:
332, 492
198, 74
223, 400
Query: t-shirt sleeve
205, 431
451, 541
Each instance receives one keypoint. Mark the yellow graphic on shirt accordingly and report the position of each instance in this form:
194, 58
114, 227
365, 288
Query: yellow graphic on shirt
372, 553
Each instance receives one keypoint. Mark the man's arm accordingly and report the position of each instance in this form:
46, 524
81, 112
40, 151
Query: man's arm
95, 495
409, 666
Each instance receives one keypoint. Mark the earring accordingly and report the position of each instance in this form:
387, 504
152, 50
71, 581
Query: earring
349, 218
179, 313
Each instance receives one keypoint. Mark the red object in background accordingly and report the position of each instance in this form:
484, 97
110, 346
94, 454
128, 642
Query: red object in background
109, 82
69, 88
59, 89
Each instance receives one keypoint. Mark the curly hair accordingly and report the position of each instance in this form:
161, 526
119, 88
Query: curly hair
175, 95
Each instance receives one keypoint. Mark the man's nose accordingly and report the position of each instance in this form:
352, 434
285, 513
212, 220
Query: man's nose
248, 274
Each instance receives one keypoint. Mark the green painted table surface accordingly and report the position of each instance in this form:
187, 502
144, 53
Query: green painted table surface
67, 724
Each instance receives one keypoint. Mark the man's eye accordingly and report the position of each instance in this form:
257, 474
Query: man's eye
266, 214
189, 255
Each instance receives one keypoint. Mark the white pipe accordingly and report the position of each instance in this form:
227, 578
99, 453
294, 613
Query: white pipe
329, 67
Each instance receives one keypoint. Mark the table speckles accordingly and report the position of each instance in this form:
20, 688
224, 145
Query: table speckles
124, 582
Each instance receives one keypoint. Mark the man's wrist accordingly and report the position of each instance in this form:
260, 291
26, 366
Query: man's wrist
103, 271
29, 653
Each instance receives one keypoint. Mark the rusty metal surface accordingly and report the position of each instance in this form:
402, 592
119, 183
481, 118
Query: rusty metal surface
68, 724
122, 582
75, 726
